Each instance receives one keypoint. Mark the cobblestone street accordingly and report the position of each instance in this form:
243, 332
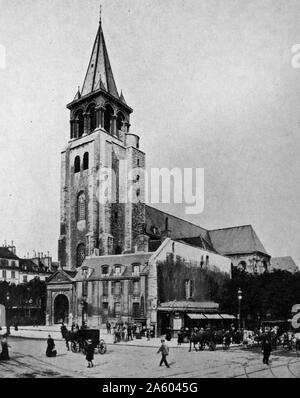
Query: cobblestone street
28, 360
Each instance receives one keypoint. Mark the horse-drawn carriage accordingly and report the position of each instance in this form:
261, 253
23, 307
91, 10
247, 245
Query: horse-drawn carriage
80, 340
202, 339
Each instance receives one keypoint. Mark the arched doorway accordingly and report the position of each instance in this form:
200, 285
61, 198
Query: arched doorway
61, 309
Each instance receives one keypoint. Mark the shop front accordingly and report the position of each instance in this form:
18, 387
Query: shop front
185, 315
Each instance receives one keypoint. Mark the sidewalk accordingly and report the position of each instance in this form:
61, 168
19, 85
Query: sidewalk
42, 332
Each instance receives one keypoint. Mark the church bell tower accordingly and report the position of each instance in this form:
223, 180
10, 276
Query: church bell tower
101, 153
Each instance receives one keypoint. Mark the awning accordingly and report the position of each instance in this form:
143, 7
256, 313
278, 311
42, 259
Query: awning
196, 316
213, 316
226, 316
210, 316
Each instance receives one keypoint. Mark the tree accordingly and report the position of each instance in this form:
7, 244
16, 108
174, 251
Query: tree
269, 294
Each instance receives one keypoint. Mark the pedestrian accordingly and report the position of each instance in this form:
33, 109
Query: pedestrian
108, 327
180, 337
266, 349
4, 355
227, 340
63, 330
148, 334
164, 349
90, 354
134, 327
50, 352
129, 332
115, 334
168, 334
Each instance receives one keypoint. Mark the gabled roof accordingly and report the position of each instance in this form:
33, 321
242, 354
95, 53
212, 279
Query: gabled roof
199, 242
236, 240
178, 227
284, 264
99, 74
62, 276
7, 254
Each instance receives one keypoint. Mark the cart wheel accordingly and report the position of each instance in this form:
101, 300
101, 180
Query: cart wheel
74, 347
102, 347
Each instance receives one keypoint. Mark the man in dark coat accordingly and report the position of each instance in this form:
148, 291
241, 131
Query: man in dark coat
129, 332
266, 349
90, 354
50, 352
63, 330
4, 345
168, 334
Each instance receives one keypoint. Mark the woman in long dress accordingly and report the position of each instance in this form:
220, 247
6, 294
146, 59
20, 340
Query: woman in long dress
50, 352
4, 345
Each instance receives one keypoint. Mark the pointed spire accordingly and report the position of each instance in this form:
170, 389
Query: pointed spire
122, 99
78, 95
99, 71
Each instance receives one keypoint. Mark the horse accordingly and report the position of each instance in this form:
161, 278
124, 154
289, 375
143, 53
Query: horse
73, 338
198, 337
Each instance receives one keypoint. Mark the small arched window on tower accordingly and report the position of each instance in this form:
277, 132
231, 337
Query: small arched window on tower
77, 164
108, 113
81, 206
79, 118
86, 161
92, 117
120, 122
80, 254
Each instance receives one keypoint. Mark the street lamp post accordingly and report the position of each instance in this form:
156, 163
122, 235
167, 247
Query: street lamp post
7, 318
83, 306
239, 301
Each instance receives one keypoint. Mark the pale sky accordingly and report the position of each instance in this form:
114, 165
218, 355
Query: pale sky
211, 85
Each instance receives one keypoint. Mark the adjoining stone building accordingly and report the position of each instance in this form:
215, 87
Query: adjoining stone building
16, 270
112, 251
126, 286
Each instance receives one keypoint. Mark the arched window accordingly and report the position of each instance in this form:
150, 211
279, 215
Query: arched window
77, 164
108, 113
80, 254
81, 207
92, 116
79, 118
120, 121
86, 161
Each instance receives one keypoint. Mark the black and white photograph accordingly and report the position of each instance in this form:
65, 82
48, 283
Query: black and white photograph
149, 191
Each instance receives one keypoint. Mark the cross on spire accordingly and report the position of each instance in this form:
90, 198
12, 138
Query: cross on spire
100, 19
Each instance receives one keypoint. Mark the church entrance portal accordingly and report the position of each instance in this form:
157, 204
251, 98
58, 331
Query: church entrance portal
61, 309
